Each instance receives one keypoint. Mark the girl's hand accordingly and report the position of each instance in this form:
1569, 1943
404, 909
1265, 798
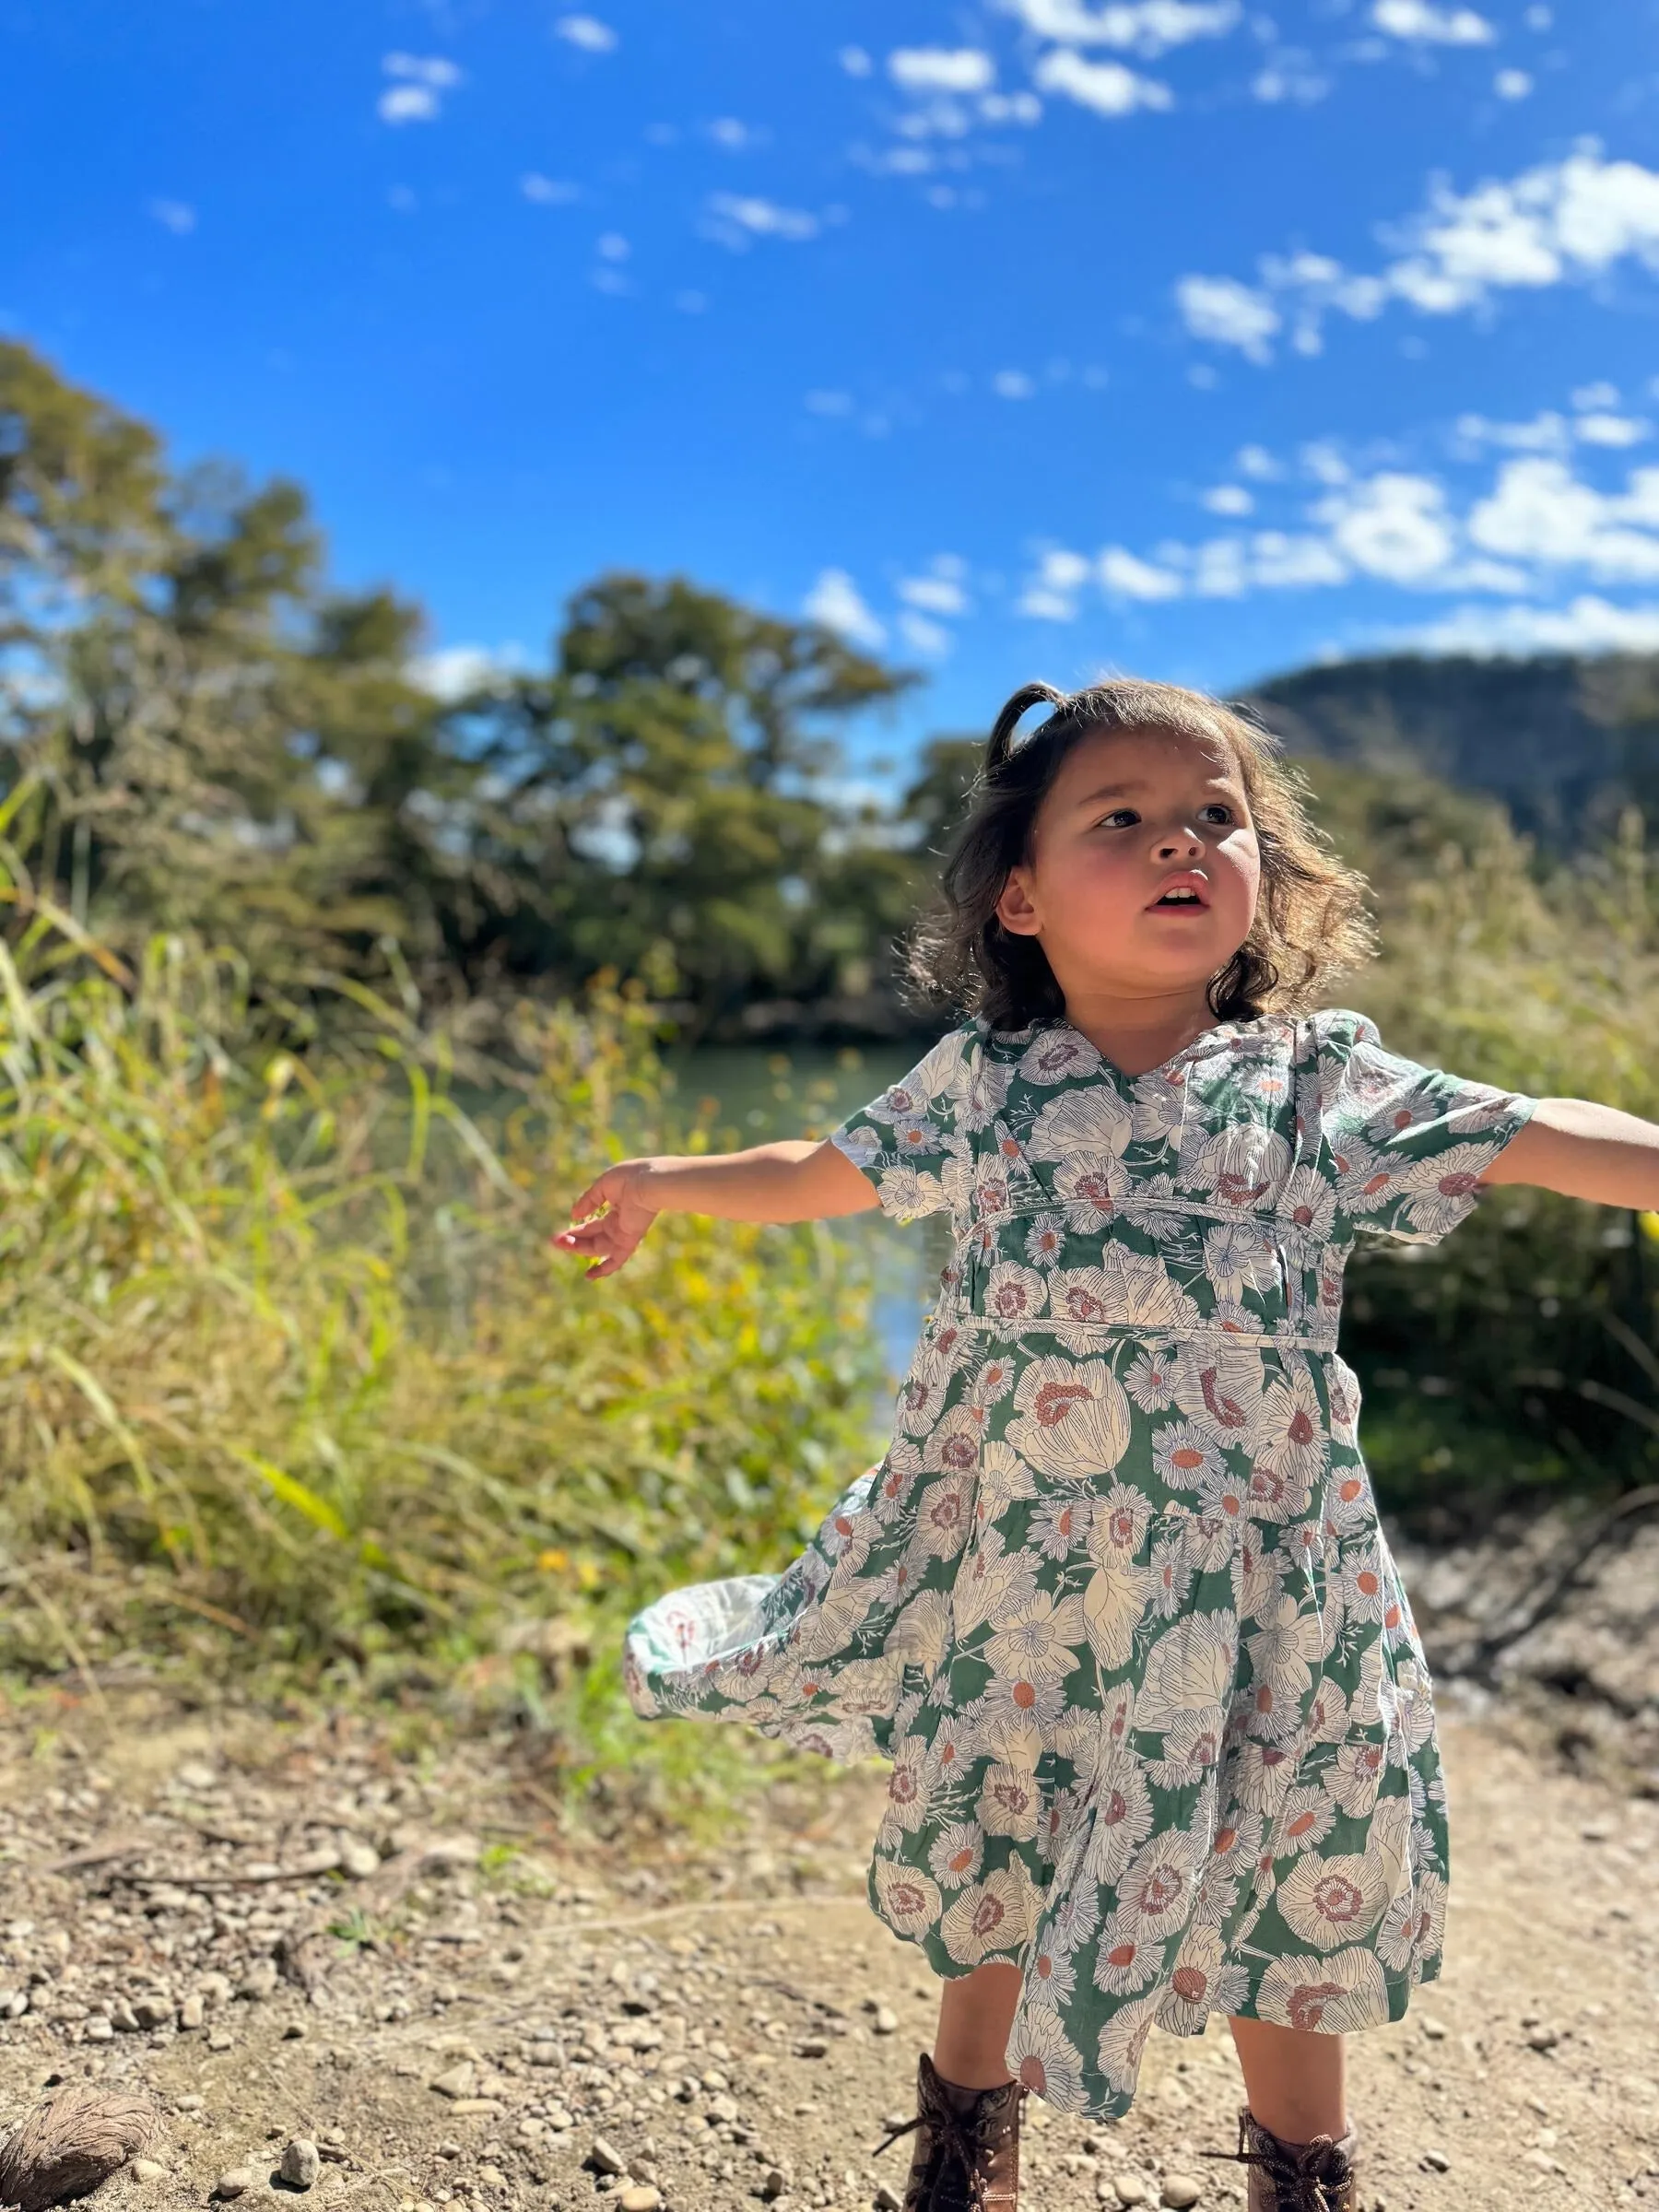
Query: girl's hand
610, 1238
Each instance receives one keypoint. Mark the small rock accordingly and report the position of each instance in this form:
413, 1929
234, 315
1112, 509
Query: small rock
640, 2196
716, 2079
603, 2158
189, 2102
360, 1860
1437, 2162
216, 1989
812, 2046
147, 2169
191, 2010
1181, 2192
151, 2012
236, 2180
1433, 2030
558, 2119
221, 2040
122, 2016
259, 1982
1129, 2189
302, 2163
1543, 2162
885, 2021
493, 2176
294, 2032
887, 2199
458, 2082
1542, 2039
449, 2148
723, 2107
99, 2031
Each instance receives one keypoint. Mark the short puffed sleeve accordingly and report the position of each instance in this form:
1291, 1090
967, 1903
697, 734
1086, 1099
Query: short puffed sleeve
906, 1141
1405, 1145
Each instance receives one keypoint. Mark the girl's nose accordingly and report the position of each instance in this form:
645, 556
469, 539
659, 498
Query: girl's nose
1175, 842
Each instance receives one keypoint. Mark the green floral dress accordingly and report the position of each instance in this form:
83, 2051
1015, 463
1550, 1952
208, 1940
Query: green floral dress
1116, 1603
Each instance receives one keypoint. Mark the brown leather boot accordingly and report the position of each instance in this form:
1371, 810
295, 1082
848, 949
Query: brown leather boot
966, 2154
1319, 2176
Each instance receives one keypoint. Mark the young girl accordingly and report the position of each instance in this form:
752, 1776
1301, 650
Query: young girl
1116, 1603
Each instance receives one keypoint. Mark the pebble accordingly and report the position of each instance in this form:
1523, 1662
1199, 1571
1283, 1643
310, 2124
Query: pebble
151, 2012
558, 2119
360, 1860
1542, 2039
640, 2196
1437, 2162
1181, 2192
723, 2107
1434, 2031
99, 2031
236, 2180
221, 2040
885, 2021
259, 1982
604, 2158
1129, 2189
888, 2199
147, 2169
812, 2046
191, 2010
458, 2082
302, 2163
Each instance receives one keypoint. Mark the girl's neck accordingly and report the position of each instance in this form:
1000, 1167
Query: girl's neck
1139, 1034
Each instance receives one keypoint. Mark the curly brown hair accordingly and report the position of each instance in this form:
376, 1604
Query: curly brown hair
1311, 918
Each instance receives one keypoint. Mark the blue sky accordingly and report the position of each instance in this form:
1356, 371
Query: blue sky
1026, 339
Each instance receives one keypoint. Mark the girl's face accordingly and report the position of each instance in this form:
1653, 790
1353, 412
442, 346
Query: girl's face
1144, 870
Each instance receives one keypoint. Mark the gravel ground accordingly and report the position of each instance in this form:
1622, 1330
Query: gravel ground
296, 1937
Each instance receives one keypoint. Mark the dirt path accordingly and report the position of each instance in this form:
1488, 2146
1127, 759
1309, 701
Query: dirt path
491, 2038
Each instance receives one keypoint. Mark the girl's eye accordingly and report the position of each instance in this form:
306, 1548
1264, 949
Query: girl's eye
1222, 811
1124, 814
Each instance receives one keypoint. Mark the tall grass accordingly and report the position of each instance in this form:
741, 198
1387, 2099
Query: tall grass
293, 1392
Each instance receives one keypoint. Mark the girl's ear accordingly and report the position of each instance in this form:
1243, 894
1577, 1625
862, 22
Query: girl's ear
1014, 909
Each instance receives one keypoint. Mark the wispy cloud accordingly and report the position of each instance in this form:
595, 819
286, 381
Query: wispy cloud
1146, 27
836, 602
1588, 624
735, 220
1562, 222
420, 82
587, 32
1430, 24
1109, 88
548, 191
176, 216
942, 69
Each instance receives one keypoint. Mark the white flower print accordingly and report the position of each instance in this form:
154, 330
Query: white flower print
1332, 1901
1038, 1642
1014, 1295
1348, 1505
1118, 1523
1123, 2042
1261, 1775
1073, 1420
922, 1633
957, 1853
1041, 2055
1127, 1956
1151, 1381
1142, 1293
1192, 1749
1327, 1716
990, 1919
1220, 1387
978, 1091
909, 1902
1045, 1241
1365, 1591
1050, 1976
1155, 1897
1114, 1600
1282, 1651
1171, 1573
1308, 1205
1290, 1432
1059, 1056
944, 1516
1077, 1124
1093, 1186
1355, 1778
1060, 1526
1008, 1804
1003, 1477
990, 1384
906, 1786
1153, 1207
1414, 1927
1189, 1670
1082, 1297
1239, 1257
1018, 1720
1336, 1995
908, 1195
1241, 1164
1186, 1456
1305, 1820
993, 1583
1123, 1820
1202, 1980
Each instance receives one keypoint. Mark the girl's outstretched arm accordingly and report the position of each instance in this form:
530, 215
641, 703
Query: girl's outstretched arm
794, 1182
1585, 1150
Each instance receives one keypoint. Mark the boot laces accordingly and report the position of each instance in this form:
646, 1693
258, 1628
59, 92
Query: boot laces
1308, 2177
963, 2137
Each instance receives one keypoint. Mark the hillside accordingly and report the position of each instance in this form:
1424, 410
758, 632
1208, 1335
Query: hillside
1563, 741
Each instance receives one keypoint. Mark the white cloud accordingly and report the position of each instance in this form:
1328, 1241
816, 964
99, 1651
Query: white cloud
1436, 26
1052, 595
1256, 461
1108, 88
1125, 577
1148, 26
1513, 84
1280, 562
855, 61
1539, 512
942, 69
727, 131
1392, 525
587, 32
1229, 498
1228, 314
836, 602
934, 595
613, 246
1611, 429
1588, 624
1546, 433
737, 219
454, 670
176, 216
1596, 395
829, 403
416, 95
1560, 222
548, 191
1013, 383
1289, 76
929, 638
